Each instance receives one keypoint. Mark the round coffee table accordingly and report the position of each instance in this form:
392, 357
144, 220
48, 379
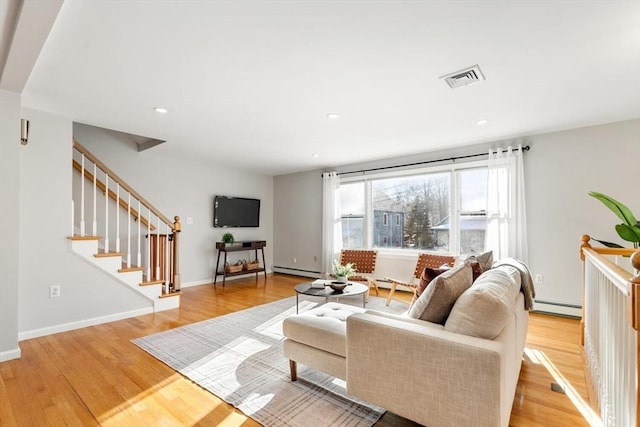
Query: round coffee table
352, 289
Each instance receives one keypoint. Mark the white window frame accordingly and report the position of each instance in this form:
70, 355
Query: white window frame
454, 201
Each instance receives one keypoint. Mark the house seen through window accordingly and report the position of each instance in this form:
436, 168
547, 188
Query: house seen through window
422, 206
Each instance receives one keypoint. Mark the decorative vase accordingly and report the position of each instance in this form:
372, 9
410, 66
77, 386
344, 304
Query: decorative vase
341, 279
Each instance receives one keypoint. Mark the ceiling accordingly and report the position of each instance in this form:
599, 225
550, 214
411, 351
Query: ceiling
249, 84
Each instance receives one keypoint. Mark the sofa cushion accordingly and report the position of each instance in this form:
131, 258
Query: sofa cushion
323, 327
484, 309
436, 301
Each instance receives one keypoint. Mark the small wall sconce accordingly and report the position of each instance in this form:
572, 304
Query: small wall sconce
24, 131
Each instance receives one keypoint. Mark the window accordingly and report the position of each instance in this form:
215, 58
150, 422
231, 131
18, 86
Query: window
352, 214
423, 205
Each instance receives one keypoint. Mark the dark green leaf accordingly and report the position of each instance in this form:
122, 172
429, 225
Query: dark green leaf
608, 244
628, 233
623, 212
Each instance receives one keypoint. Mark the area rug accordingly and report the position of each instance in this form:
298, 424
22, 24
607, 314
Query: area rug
238, 357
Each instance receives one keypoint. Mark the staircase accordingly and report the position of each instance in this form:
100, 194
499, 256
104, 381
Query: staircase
137, 246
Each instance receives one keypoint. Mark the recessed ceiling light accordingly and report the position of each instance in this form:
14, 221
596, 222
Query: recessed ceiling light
332, 116
482, 122
160, 110
315, 155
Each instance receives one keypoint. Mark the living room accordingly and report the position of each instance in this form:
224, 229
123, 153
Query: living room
593, 152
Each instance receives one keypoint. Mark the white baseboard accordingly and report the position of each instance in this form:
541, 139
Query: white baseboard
10, 354
297, 272
559, 309
64, 327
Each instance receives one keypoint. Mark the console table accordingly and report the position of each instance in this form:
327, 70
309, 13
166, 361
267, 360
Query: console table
249, 245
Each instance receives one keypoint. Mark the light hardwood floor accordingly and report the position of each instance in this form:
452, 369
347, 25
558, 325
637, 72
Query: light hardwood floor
96, 376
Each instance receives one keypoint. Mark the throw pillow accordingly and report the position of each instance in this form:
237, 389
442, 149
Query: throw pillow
485, 259
428, 274
484, 309
436, 301
476, 268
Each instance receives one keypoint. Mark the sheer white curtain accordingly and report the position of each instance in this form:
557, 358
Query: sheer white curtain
506, 210
331, 224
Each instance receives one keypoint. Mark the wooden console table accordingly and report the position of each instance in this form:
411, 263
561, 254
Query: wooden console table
253, 245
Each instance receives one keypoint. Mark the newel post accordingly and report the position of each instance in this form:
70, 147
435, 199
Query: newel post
177, 228
634, 293
585, 244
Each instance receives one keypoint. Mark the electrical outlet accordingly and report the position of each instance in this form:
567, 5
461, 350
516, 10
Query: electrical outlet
189, 220
54, 291
295, 260
539, 279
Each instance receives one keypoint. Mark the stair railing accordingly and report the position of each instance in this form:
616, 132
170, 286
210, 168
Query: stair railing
157, 255
609, 335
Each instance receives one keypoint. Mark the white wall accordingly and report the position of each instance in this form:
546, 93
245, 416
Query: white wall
45, 257
185, 187
9, 223
561, 168
298, 222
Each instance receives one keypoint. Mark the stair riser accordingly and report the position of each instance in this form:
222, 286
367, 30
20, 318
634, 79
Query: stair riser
88, 248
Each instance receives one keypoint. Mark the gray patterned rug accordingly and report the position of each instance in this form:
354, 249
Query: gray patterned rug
238, 357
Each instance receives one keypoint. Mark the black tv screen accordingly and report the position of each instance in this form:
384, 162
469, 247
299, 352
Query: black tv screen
236, 212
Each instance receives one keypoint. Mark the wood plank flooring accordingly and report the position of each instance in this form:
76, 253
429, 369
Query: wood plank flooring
96, 376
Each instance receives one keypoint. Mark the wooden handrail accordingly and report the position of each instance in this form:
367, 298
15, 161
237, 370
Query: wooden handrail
122, 183
101, 185
604, 251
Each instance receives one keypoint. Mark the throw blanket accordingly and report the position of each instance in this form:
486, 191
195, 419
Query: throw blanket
526, 282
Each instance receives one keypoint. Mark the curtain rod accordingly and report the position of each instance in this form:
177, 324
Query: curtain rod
425, 162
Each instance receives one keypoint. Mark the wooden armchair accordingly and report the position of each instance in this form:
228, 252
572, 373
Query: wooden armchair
424, 260
364, 262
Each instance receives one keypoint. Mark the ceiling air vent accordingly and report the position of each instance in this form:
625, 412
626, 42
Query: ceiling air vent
465, 77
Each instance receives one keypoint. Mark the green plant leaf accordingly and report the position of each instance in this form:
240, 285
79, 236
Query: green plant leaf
628, 233
623, 212
608, 244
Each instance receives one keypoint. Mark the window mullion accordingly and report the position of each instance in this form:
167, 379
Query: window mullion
368, 215
454, 214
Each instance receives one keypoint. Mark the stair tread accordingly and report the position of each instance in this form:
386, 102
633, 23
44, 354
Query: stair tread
172, 294
108, 254
75, 237
126, 269
151, 282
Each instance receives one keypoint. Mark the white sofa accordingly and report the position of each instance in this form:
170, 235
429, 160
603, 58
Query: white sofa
450, 374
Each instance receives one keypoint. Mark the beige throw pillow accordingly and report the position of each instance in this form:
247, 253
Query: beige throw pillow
484, 309
436, 301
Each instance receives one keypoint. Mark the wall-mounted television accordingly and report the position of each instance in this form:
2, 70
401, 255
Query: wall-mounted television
236, 212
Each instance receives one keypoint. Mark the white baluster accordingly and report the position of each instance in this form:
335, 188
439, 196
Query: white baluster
82, 196
106, 213
148, 244
157, 266
95, 195
167, 259
117, 217
139, 259
129, 231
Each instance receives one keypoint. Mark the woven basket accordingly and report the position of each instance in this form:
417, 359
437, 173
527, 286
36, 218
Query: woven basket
252, 265
233, 268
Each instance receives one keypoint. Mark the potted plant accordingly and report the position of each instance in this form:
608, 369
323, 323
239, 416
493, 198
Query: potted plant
342, 272
629, 230
228, 238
